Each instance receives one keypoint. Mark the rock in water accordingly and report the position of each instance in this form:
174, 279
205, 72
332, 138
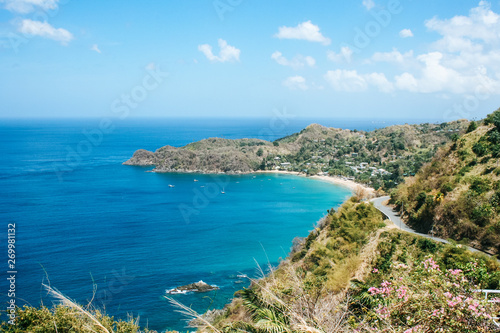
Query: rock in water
199, 287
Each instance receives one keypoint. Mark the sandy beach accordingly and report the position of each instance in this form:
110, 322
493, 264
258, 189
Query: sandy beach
333, 180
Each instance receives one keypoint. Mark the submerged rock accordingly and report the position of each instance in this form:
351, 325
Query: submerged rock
199, 287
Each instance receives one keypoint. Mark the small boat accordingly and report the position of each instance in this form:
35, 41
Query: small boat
195, 180
222, 192
171, 185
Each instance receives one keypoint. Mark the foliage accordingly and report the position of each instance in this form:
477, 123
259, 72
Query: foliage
472, 127
455, 195
424, 298
62, 319
418, 285
411, 284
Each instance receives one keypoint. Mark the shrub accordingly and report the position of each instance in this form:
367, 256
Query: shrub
421, 198
462, 154
493, 118
447, 187
481, 214
472, 126
479, 185
464, 170
64, 319
425, 298
427, 245
479, 149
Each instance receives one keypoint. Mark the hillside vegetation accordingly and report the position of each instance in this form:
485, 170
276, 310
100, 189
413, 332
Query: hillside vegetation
354, 274
380, 158
457, 195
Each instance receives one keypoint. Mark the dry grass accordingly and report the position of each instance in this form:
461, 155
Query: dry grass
89, 320
307, 311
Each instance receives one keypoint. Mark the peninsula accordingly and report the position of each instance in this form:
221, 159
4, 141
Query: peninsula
379, 158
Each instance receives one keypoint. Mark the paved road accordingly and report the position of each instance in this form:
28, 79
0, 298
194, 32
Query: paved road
394, 217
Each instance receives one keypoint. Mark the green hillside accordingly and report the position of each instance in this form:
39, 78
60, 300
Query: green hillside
457, 195
355, 274
379, 158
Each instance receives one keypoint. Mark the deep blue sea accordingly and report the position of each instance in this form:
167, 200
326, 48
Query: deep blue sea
83, 219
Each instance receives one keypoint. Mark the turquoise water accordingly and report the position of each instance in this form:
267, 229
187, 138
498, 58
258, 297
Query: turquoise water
123, 229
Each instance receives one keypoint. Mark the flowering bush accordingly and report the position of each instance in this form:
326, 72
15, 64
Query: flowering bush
425, 298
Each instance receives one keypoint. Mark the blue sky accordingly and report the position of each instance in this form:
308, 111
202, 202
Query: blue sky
404, 59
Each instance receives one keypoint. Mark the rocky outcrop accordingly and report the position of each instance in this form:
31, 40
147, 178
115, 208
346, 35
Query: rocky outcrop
213, 155
199, 287
142, 157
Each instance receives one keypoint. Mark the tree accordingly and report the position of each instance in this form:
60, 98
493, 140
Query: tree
493, 118
472, 126
260, 152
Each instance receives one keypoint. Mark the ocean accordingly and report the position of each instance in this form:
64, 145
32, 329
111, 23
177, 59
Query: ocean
120, 236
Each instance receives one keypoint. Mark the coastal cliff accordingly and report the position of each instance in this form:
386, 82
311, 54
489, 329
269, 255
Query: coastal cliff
212, 155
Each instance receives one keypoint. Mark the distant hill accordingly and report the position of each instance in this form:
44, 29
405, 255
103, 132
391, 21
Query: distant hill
380, 158
457, 195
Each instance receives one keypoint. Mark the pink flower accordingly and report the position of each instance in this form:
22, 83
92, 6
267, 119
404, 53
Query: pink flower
402, 293
413, 329
455, 271
374, 291
375, 270
431, 264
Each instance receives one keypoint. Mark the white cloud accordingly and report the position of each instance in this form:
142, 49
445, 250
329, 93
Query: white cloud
296, 62
45, 30
95, 48
346, 80
482, 24
380, 81
467, 44
305, 31
28, 6
405, 33
296, 83
465, 58
369, 4
344, 55
392, 57
351, 81
310, 61
226, 53
436, 78
406, 81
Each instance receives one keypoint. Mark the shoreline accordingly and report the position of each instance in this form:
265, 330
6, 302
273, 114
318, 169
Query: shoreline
352, 185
